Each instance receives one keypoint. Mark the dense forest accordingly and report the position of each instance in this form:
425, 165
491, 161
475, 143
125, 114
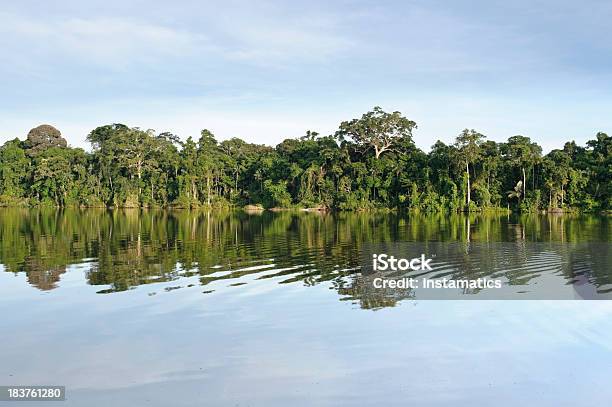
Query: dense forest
370, 162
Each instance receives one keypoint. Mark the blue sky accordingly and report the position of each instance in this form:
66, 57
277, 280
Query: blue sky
265, 71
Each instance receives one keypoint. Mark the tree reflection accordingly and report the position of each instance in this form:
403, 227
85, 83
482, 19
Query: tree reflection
131, 247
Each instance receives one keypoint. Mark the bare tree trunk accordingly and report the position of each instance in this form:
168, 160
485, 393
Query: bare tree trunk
550, 198
139, 173
524, 182
562, 195
467, 171
208, 190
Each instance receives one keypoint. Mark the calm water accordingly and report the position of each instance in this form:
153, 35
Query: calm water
195, 308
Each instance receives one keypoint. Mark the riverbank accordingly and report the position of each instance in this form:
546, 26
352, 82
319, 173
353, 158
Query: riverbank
258, 208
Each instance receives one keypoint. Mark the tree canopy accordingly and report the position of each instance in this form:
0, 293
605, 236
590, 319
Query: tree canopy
43, 137
369, 162
378, 130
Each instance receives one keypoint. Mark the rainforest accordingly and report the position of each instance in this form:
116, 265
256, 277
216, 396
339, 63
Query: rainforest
369, 163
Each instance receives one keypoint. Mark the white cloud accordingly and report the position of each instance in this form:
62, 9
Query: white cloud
118, 42
301, 66
113, 42
102, 39
266, 43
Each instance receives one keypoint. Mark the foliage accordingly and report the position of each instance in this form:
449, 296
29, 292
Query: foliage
42, 138
369, 163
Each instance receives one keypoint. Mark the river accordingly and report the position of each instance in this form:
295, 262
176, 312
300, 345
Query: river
159, 308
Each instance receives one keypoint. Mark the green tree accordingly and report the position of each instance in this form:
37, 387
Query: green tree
468, 145
51, 177
557, 168
523, 154
208, 165
377, 130
600, 167
14, 168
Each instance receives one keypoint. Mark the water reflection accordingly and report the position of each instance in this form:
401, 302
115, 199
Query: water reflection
129, 248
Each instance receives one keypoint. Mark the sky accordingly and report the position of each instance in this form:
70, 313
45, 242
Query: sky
265, 71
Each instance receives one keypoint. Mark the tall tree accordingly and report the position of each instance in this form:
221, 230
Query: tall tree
600, 150
523, 154
377, 130
468, 145
208, 162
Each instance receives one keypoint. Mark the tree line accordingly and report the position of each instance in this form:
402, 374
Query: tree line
369, 162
